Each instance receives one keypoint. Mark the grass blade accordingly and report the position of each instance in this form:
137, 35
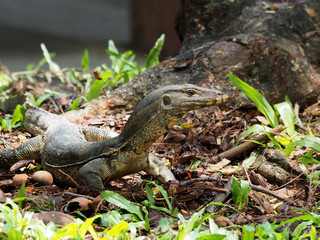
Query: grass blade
97, 87
154, 53
261, 103
287, 114
121, 202
85, 60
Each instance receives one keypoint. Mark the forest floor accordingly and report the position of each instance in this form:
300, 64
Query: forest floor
189, 150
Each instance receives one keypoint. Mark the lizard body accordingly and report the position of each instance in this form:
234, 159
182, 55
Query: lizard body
90, 155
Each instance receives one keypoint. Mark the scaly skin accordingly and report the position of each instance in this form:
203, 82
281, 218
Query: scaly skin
90, 156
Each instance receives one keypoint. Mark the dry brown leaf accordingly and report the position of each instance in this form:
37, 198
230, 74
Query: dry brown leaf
218, 166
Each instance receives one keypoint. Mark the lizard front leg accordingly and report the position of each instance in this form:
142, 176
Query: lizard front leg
157, 168
30, 149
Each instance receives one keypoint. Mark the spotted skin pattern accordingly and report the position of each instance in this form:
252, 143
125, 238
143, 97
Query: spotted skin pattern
90, 156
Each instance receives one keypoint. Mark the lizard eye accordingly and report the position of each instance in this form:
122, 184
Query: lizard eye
166, 100
190, 92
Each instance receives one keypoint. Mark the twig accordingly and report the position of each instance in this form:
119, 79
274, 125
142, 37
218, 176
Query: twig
268, 192
292, 180
203, 179
246, 172
56, 105
69, 177
246, 146
254, 187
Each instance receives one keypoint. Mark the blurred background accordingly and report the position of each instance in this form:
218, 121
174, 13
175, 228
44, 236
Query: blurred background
68, 27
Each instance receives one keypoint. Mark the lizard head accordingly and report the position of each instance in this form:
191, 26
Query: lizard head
163, 107
180, 99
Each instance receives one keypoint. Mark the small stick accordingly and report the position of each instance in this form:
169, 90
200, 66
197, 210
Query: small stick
202, 179
246, 146
254, 187
77, 185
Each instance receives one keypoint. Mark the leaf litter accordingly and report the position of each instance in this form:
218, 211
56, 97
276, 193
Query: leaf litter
189, 149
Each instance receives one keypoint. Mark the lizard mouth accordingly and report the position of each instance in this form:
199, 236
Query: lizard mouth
216, 98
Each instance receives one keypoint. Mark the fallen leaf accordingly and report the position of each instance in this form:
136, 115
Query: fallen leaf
218, 166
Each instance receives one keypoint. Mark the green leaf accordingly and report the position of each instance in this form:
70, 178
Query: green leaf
85, 60
17, 115
96, 88
72, 76
309, 141
240, 191
43, 61
32, 99
306, 158
116, 231
150, 205
75, 103
287, 114
151, 202
30, 78
190, 224
248, 232
4, 124
253, 130
153, 56
150, 194
5, 80
302, 226
146, 224
42, 98
164, 223
52, 65
121, 202
21, 195
15, 234
261, 103
111, 218
166, 197
87, 226
250, 160
114, 54
212, 236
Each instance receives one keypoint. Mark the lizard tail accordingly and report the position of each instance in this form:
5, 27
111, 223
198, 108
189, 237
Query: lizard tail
28, 150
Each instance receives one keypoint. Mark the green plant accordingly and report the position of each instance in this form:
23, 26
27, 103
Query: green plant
308, 227
136, 215
265, 230
240, 191
16, 121
8, 123
128, 224
123, 69
5, 80
17, 226
85, 60
202, 227
48, 93
196, 227
151, 203
77, 230
52, 65
194, 164
289, 138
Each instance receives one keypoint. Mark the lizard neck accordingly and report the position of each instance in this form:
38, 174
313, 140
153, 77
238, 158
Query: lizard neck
139, 139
